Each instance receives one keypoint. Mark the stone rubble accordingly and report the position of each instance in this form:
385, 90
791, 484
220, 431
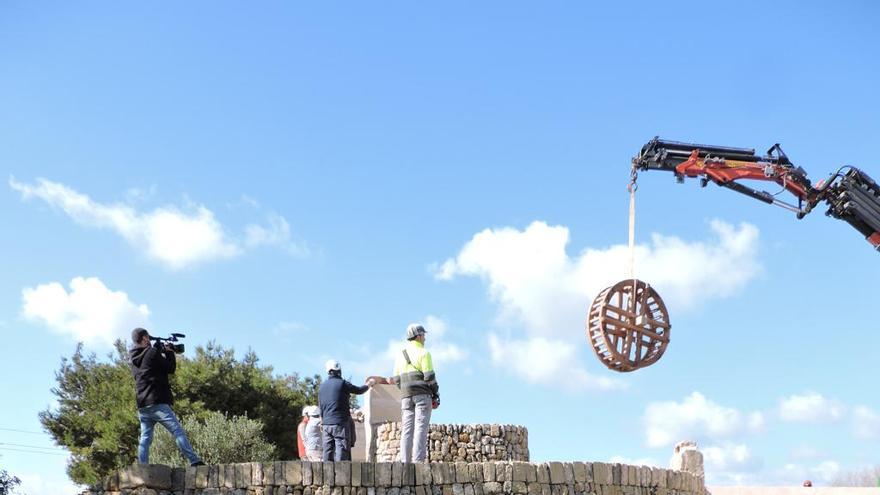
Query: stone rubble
460, 443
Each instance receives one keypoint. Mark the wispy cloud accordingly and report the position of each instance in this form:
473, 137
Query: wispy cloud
177, 237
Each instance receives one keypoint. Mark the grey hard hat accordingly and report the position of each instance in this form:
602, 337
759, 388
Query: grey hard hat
414, 330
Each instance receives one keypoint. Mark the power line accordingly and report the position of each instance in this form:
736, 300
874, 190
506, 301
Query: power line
22, 431
31, 451
30, 446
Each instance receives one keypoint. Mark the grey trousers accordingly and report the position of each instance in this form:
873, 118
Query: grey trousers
416, 416
335, 442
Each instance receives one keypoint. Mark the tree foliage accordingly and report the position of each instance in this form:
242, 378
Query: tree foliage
218, 439
7, 482
96, 414
861, 477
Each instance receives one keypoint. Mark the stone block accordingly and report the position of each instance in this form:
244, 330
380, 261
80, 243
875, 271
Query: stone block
242, 476
461, 472
658, 477
268, 478
178, 479
523, 471
557, 473
438, 473
492, 488
318, 473
292, 473
602, 473
475, 472
409, 474
202, 476
145, 475
306, 467
543, 473
519, 487
488, 471
457, 489
214, 476
356, 470
568, 470
533, 488
383, 474
579, 469
342, 473
423, 473
329, 474
396, 474
469, 489
256, 474
368, 474
503, 471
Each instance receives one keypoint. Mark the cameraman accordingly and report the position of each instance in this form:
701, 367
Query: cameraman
151, 367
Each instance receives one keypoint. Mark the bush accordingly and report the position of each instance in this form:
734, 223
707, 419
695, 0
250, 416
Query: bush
218, 440
7, 482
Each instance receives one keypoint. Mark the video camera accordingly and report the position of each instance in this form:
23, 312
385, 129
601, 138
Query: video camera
161, 342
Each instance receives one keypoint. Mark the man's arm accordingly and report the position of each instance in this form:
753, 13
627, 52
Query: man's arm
354, 389
427, 366
161, 360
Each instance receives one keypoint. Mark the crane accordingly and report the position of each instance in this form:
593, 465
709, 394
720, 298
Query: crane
850, 194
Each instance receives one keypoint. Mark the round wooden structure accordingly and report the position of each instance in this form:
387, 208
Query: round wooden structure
628, 326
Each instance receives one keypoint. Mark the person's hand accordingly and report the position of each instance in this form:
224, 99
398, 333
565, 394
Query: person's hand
391, 380
371, 382
169, 347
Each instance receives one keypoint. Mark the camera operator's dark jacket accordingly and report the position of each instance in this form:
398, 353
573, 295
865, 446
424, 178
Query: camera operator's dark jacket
151, 370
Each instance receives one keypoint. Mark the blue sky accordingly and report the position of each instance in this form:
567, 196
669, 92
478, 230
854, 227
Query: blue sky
305, 180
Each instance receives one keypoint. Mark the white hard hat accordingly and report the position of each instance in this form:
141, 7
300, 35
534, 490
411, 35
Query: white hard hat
314, 411
332, 365
414, 330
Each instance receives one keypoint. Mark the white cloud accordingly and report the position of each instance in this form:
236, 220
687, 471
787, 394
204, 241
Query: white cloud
443, 352
539, 287
167, 234
694, 418
811, 407
731, 458
536, 282
541, 360
866, 423
89, 312
275, 234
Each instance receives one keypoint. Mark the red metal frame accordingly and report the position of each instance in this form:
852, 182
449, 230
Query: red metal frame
723, 171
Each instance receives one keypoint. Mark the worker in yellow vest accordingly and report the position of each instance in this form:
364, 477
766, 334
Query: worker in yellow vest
414, 376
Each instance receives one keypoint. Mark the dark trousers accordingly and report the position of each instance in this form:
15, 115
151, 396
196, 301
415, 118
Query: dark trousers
336, 446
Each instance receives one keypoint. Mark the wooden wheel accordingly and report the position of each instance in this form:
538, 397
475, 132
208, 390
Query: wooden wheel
628, 329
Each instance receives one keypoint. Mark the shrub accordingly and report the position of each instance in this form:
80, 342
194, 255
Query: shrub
217, 439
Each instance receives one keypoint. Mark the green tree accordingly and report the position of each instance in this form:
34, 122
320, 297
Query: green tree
96, 415
218, 439
7, 482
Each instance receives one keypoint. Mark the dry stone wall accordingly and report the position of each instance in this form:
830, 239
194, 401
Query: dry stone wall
385, 478
461, 443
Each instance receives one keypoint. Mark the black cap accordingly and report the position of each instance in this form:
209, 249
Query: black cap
138, 333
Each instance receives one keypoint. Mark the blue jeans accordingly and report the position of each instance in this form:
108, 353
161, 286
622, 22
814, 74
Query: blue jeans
335, 443
162, 413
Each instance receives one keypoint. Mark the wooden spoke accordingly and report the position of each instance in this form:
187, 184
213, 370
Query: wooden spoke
628, 326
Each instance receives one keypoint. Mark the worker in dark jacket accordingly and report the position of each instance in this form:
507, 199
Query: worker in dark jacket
335, 406
151, 367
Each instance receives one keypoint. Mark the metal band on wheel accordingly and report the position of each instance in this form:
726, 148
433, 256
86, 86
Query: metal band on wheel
628, 329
